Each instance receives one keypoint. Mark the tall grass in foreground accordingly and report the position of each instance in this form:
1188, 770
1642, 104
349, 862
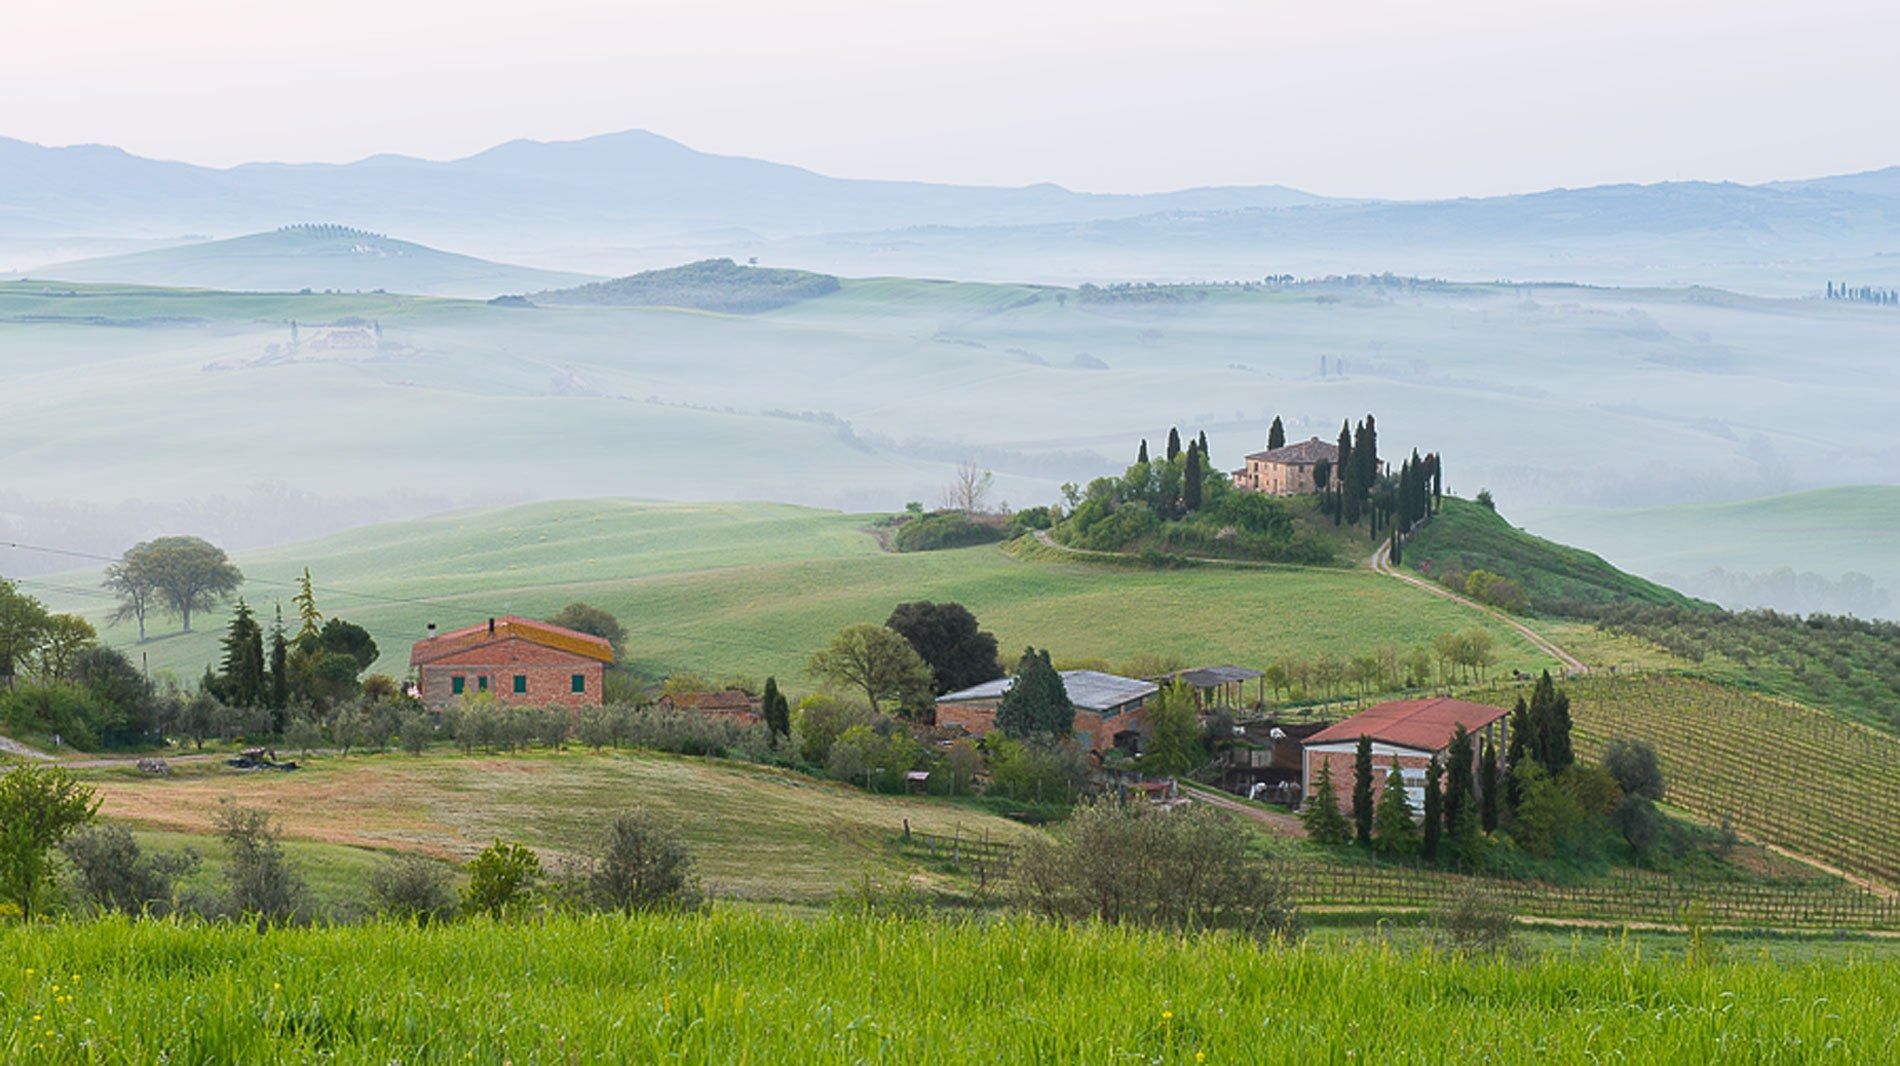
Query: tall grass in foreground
737, 986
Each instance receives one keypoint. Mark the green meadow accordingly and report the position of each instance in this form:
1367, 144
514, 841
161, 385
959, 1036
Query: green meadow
753, 589
745, 986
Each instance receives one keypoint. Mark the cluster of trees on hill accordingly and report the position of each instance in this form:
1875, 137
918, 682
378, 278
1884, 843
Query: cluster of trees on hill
1359, 486
1181, 503
1482, 807
57, 680
1863, 294
708, 285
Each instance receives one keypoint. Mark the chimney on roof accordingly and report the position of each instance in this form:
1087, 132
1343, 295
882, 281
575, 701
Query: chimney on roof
431, 631
491, 627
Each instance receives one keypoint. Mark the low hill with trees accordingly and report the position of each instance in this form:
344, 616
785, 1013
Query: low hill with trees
1468, 546
708, 285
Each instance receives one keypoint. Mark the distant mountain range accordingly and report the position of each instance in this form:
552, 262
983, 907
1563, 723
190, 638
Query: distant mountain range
621, 202
316, 257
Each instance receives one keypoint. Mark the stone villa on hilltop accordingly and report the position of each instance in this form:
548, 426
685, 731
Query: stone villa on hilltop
518, 660
1286, 471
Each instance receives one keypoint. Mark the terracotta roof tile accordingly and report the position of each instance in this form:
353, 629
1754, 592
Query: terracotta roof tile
1425, 725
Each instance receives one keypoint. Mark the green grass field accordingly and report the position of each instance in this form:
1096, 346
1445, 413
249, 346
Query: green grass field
753, 589
748, 987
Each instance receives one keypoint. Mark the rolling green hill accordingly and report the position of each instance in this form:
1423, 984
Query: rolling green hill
312, 257
1763, 546
753, 589
1557, 579
709, 285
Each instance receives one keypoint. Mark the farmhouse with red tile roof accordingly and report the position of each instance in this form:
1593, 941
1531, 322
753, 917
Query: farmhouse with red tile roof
518, 660
1411, 731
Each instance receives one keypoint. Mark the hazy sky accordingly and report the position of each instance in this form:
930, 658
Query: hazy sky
1353, 97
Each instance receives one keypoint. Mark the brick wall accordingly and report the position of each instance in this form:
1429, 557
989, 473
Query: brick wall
549, 675
979, 717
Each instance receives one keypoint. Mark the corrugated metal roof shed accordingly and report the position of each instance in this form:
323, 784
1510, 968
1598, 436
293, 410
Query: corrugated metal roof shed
1090, 690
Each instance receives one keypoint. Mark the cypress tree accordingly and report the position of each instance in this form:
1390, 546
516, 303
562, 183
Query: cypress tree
1203, 443
1459, 758
279, 671
1362, 791
1434, 809
1276, 434
1191, 479
776, 709
1394, 831
1519, 751
1488, 787
1142, 456
243, 666
1174, 444
1321, 816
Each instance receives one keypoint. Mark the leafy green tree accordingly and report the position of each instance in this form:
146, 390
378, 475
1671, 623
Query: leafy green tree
131, 581
501, 880
878, 662
642, 865
1393, 831
775, 709
1634, 765
188, 574
1037, 702
64, 637
1174, 736
1321, 815
23, 621
413, 888
1276, 434
583, 618
1362, 791
241, 680
257, 873
946, 636
1434, 813
113, 874
40, 806
1546, 812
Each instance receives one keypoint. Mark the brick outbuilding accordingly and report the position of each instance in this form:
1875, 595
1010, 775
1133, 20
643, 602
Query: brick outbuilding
1410, 731
518, 660
1110, 711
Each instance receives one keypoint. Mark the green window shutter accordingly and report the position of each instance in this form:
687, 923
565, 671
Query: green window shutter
521, 684
457, 684
578, 683
481, 683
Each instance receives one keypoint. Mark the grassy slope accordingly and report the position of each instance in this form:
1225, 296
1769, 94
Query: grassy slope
754, 588
747, 987
1469, 537
756, 833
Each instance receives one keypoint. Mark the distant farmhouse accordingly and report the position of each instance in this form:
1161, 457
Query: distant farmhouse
732, 704
1109, 710
1286, 471
519, 660
1411, 731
